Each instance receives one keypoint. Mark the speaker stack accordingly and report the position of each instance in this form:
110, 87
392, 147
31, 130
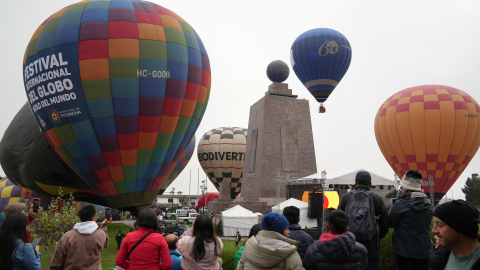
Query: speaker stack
315, 205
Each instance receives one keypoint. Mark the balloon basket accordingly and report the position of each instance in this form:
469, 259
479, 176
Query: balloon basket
322, 109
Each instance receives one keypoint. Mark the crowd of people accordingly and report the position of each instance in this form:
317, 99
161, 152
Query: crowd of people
352, 240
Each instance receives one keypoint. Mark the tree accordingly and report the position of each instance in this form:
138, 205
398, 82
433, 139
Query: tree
472, 189
51, 224
183, 201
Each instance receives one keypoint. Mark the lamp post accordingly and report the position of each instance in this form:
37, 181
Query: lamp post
203, 187
172, 192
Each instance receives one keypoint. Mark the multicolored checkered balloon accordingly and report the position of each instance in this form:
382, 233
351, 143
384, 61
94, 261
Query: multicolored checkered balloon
433, 129
119, 88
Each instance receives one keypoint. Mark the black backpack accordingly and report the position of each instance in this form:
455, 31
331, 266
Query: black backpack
361, 214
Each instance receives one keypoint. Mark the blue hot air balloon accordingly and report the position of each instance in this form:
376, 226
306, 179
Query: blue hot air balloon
320, 58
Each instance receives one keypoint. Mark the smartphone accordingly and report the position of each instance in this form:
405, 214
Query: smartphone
108, 214
36, 205
36, 241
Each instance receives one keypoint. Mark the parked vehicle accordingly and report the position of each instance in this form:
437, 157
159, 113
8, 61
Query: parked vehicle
177, 213
188, 219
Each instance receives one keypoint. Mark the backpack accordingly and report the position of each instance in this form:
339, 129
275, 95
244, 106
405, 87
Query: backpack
361, 216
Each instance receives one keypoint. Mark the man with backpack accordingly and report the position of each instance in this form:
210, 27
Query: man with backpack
368, 217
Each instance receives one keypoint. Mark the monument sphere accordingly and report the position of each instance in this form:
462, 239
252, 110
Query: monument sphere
278, 71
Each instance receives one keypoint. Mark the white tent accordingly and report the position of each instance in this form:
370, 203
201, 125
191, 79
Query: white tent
303, 206
238, 219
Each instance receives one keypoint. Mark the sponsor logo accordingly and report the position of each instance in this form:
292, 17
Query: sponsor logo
55, 116
328, 47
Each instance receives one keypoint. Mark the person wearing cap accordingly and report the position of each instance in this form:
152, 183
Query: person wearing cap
271, 248
363, 182
411, 216
456, 225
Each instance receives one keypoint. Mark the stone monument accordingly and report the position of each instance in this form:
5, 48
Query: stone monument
280, 142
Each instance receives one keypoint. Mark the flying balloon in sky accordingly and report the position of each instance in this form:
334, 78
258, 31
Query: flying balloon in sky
221, 153
320, 58
433, 129
119, 89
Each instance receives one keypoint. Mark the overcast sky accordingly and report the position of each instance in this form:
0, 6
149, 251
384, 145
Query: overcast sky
395, 45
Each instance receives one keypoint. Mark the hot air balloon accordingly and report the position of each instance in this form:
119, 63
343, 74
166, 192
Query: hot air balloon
433, 129
208, 197
11, 193
221, 152
181, 164
29, 161
118, 88
320, 58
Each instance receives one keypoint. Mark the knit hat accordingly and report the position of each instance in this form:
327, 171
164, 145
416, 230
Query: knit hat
14, 208
363, 178
412, 181
276, 222
460, 215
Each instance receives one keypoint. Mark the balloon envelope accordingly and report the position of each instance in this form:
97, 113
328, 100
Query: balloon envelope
30, 161
11, 193
181, 164
320, 58
207, 198
119, 88
221, 153
433, 129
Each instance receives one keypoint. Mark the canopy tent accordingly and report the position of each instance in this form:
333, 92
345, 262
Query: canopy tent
238, 219
303, 206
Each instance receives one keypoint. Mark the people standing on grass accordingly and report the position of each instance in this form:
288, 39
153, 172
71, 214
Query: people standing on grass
81, 247
411, 216
15, 250
376, 216
253, 232
119, 238
144, 248
292, 214
238, 238
456, 225
176, 257
336, 249
271, 248
200, 246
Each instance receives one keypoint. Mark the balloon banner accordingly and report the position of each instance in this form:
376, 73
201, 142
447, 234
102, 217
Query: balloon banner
119, 89
433, 129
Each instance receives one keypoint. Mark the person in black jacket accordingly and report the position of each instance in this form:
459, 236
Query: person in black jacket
238, 238
456, 225
337, 248
363, 182
119, 238
411, 216
292, 214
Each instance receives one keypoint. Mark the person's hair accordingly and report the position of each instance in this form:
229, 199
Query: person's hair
119, 231
147, 219
87, 212
254, 230
17, 207
172, 244
14, 228
337, 221
292, 213
203, 232
414, 174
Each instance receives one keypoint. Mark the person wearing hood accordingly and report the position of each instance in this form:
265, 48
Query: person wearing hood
411, 216
337, 248
271, 248
81, 247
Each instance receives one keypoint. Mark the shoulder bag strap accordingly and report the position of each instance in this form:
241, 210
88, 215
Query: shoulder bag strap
138, 243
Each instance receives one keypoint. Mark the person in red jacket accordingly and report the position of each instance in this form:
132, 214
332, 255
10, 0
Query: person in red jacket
152, 253
20, 208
